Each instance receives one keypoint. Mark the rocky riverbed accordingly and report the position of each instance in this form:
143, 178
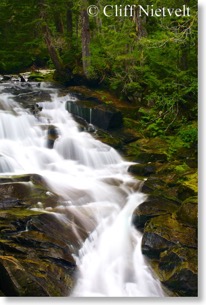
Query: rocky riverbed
35, 246
35, 249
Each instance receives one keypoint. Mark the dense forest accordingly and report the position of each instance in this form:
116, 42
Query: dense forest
147, 60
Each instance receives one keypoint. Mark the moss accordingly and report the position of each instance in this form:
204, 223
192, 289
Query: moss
131, 124
172, 230
19, 212
108, 139
181, 168
35, 277
177, 269
191, 181
42, 75
187, 213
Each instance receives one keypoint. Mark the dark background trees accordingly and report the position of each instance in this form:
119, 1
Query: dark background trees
148, 61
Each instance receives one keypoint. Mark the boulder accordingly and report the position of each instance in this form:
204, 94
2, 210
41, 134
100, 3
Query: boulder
163, 232
32, 277
52, 135
145, 157
177, 270
144, 170
187, 212
185, 192
152, 207
96, 113
153, 184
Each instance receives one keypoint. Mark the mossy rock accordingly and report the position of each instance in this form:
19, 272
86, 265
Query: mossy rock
153, 184
152, 207
18, 190
163, 232
191, 181
27, 191
70, 233
36, 246
185, 192
177, 270
187, 213
42, 75
143, 170
33, 277
145, 157
15, 178
148, 150
108, 139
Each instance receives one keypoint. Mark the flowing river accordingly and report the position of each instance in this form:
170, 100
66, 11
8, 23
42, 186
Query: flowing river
92, 179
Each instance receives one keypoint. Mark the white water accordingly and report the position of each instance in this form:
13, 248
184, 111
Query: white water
92, 179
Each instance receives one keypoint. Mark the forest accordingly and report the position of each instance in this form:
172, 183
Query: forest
150, 61
137, 61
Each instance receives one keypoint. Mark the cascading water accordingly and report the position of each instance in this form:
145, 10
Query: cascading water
92, 179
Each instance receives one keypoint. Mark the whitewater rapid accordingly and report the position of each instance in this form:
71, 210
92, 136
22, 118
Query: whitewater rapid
94, 184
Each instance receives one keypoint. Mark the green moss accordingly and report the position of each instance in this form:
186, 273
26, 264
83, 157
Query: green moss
181, 168
187, 213
131, 124
108, 139
191, 181
19, 212
42, 75
172, 230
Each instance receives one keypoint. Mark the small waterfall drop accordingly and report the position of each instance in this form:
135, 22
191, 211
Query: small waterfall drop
92, 180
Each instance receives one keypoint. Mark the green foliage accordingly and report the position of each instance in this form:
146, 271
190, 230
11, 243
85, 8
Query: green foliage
189, 136
156, 128
151, 62
181, 169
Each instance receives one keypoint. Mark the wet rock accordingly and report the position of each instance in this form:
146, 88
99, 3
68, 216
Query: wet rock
108, 139
7, 77
52, 135
32, 277
36, 246
96, 113
185, 192
153, 244
144, 170
145, 157
152, 207
153, 184
146, 150
27, 99
18, 190
178, 270
163, 232
35, 109
187, 213
15, 178
9, 203
70, 234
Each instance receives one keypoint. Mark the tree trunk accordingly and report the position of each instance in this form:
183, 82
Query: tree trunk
51, 49
69, 22
58, 22
140, 23
47, 35
85, 40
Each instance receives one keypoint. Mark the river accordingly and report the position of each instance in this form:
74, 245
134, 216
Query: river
91, 177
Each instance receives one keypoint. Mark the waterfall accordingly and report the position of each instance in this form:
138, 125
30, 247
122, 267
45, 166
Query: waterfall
92, 180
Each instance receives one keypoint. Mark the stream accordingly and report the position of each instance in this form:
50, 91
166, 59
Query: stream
92, 180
